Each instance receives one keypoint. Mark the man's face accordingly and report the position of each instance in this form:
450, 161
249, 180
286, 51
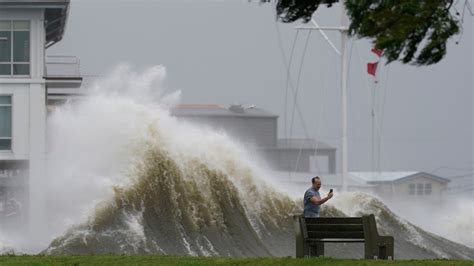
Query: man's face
317, 184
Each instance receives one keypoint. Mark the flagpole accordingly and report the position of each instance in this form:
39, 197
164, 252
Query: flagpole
344, 68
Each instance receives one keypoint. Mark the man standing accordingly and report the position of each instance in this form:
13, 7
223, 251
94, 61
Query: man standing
312, 199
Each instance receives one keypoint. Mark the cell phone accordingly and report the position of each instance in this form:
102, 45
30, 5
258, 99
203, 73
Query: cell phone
330, 191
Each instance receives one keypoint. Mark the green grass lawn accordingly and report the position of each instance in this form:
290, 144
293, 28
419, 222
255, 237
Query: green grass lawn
169, 260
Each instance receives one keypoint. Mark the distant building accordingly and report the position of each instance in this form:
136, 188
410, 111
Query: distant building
406, 186
251, 125
462, 186
27, 29
392, 187
296, 183
257, 127
295, 155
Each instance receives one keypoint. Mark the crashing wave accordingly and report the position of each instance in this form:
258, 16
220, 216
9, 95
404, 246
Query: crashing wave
189, 190
190, 208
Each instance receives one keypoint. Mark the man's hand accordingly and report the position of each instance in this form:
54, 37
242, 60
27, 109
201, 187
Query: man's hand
318, 201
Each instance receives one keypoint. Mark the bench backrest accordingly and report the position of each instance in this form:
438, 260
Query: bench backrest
333, 228
370, 227
313, 232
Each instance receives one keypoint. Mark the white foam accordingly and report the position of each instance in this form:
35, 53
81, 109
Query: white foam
95, 145
355, 203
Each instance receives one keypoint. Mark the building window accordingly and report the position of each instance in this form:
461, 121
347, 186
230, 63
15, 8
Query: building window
5, 122
428, 189
419, 189
14, 48
411, 190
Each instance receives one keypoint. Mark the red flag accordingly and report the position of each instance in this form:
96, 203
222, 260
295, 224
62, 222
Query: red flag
372, 68
376, 51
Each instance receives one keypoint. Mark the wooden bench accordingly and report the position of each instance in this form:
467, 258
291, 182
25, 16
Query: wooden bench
312, 233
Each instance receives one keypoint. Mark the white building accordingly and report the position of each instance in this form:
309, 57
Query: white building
257, 128
407, 187
27, 29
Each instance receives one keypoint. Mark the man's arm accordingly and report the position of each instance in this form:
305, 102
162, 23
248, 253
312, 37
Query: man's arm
317, 201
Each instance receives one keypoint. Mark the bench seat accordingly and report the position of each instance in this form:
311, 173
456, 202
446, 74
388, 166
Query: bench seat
312, 233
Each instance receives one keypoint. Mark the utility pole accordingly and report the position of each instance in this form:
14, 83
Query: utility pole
343, 30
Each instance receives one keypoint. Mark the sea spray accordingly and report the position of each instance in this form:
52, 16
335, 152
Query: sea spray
127, 178
452, 217
193, 176
405, 233
161, 186
181, 207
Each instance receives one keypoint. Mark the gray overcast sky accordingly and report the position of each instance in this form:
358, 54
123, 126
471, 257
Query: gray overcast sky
228, 52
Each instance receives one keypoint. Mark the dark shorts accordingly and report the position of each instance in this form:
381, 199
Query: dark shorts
311, 215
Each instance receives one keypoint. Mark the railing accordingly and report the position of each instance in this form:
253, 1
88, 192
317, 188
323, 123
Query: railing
62, 66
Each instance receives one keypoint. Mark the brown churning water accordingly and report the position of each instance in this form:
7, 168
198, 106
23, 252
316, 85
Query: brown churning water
160, 186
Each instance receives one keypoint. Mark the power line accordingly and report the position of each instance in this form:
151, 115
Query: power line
290, 83
298, 79
451, 168
288, 69
469, 175
296, 97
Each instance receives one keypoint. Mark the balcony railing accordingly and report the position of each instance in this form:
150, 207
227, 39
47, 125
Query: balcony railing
62, 67
62, 72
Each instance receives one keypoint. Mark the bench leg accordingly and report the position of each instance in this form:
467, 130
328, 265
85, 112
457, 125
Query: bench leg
315, 249
369, 253
386, 248
300, 248
306, 250
382, 252
319, 249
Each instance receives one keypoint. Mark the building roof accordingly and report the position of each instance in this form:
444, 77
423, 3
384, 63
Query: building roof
303, 144
395, 177
55, 14
213, 110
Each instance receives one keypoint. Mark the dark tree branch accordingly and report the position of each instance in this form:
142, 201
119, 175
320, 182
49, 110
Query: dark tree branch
411, 31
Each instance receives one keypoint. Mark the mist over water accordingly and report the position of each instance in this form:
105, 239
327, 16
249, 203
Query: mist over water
125, 177
94, 142
105, 148
452, 218
92, 145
